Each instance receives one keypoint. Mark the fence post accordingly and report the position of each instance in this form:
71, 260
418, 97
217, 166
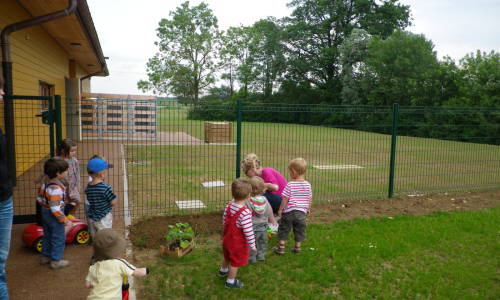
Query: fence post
238, 137
51, 127
58, 119
395, 116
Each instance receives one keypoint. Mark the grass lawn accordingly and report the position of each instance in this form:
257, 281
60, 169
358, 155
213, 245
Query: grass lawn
423, 165
439, 256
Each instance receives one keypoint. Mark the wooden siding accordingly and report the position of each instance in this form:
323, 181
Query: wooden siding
36, 57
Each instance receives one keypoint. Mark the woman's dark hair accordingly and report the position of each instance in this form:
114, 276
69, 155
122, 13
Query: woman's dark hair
53, 166
64, 147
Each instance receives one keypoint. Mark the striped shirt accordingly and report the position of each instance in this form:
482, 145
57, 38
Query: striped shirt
99, 197
299, 194
51, 195
244, 222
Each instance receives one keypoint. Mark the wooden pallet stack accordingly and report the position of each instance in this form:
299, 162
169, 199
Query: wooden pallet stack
118, 118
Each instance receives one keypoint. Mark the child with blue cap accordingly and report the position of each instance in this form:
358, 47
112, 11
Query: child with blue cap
100, 196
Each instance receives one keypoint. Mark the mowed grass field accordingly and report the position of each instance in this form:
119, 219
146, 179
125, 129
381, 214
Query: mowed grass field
439, 256
161, 175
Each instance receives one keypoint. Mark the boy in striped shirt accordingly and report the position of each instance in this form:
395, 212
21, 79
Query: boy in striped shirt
51, 200
296, 204
100, 196
238, 236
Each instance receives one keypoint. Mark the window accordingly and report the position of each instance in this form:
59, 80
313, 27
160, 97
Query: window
111, 123
114, 107
46, 89
113, 115
142, 108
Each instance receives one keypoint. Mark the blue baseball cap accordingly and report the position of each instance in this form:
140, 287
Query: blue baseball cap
96, 165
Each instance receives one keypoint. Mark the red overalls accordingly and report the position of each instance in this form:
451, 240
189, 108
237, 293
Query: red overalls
234, 245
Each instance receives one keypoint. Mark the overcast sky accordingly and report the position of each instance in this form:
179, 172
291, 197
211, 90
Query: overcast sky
127, 31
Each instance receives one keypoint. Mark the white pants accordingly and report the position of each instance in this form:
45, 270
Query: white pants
95, 226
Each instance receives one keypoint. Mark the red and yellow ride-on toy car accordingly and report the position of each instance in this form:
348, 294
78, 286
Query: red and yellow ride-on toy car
79, 233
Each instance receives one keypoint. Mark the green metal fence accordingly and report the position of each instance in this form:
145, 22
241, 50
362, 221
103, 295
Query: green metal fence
171, 158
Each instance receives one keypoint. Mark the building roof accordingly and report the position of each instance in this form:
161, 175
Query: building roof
76, 33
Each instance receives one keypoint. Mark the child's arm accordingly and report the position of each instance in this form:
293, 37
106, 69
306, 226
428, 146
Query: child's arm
110, 196
284, 202
271, 187
140, 272
55, 195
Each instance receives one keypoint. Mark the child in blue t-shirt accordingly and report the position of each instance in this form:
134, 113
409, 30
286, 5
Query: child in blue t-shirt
100, 197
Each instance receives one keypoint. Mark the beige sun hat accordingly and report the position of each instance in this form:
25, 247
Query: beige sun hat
108, 244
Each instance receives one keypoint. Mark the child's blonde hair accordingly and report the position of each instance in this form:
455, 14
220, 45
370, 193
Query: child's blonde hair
250, 162
241, 189
258, 186
298, 165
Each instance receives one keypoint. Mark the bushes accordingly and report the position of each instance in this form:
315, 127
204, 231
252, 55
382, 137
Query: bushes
460, 124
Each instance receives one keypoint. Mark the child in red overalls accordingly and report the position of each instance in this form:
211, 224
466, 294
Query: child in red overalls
238, 239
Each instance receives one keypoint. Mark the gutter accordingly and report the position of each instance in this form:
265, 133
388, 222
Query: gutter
7, 74
85, 18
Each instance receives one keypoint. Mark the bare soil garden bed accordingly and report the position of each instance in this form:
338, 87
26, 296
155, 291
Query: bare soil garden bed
149, 233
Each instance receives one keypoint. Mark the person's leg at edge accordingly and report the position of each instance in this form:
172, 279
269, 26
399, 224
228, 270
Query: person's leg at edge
6, 215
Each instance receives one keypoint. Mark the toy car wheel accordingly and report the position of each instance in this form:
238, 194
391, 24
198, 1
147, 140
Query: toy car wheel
82, 236
37, 245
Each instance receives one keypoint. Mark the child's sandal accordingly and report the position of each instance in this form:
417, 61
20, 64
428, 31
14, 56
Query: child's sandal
279, 250
296, 250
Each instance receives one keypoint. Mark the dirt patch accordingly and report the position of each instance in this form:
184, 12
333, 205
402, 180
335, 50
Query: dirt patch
148, 233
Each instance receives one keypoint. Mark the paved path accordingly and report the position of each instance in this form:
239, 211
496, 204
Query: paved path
29, 280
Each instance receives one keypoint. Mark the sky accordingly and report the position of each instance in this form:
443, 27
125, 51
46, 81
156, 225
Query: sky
127, 31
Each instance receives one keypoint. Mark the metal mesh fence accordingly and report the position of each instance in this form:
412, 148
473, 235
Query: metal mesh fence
171, 158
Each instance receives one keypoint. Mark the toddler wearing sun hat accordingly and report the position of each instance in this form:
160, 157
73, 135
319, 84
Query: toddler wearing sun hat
105, 277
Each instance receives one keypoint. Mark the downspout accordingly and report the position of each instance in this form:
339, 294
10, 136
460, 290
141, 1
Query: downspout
7, 74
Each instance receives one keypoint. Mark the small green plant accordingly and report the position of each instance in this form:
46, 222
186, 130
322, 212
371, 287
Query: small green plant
179, 235
140, 242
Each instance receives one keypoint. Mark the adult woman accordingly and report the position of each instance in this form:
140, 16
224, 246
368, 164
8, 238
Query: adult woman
275, 182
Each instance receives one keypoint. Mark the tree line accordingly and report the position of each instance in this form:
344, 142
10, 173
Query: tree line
335, 52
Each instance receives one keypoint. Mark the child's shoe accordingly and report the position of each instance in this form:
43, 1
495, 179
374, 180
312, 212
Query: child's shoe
59, 264
279, 250
296, 250
44, 260
223, 273
237, 284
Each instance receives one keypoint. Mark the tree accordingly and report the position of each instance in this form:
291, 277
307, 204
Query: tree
401, 69
266, 51
353, 52
478, 80
184, 64
235, 57
317, 28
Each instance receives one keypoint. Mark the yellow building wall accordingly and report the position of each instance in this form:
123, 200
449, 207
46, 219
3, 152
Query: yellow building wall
36, 57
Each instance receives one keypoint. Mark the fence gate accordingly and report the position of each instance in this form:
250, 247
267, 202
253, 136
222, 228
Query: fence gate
37, 129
